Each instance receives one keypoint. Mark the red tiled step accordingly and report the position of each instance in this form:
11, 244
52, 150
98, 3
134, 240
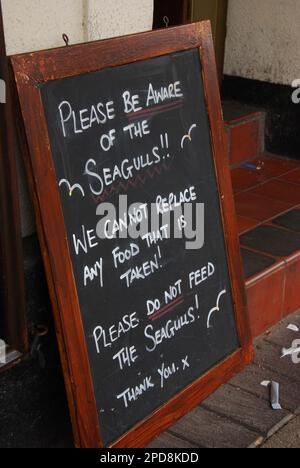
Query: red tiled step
265, 294
279, 190
272, 290
245, 224
292, 177
245, 128
251, 205
264, 169
267, 194
272, 240
262, 193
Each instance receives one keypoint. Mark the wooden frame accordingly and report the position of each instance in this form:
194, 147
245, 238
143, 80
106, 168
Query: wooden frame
11, 253
31, 70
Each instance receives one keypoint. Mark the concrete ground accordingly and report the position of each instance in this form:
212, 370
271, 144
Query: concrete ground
287, 437
239, 414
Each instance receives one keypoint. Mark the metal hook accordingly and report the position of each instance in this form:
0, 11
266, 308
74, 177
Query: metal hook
66, 39
41, 331
166, 20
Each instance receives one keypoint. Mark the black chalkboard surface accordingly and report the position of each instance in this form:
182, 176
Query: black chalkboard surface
140, 361
129, 174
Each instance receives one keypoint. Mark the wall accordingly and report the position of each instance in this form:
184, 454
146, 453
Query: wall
263, 39
39, 24
109, 18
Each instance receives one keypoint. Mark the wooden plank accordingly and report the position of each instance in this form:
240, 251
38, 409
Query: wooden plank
11, 255
245, 409
207, 429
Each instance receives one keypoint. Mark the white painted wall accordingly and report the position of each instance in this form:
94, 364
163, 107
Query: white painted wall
39, 24
110, 18
263, 40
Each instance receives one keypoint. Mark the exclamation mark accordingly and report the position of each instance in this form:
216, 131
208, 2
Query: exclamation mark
159, 252
197, 304
164, 140
167, 143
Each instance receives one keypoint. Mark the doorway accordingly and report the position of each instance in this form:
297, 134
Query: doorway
176, 12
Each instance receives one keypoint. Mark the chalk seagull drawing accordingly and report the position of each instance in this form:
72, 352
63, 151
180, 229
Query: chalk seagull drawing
188, 136
217, 308
72, 188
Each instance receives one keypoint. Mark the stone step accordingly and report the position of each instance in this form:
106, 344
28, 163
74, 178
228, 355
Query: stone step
245, 128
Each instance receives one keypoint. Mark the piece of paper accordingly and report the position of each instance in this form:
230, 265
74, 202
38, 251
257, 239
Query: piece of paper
265, 383
290, 352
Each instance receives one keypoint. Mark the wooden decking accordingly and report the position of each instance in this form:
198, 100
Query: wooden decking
239, 414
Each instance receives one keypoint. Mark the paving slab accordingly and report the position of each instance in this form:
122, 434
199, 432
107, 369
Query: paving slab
246, 409
251, 378
288, 437
283, 337
268, 355
169, 441
206, 429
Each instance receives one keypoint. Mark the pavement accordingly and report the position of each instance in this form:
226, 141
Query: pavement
288, 437
239, 414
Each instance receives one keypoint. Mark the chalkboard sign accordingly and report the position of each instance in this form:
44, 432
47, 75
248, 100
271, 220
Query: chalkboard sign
133, 192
